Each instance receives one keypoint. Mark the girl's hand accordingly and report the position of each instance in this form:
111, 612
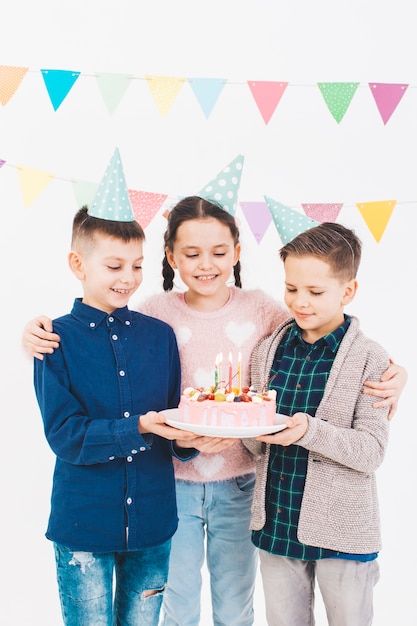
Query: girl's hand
297, 425
389, 388
208, 445
153, 422
38, 337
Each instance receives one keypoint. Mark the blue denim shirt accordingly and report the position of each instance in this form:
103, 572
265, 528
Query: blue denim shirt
113, 489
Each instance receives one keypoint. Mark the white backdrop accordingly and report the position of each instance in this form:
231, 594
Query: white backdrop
301, 156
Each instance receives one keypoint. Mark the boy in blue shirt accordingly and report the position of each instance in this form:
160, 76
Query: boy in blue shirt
113, 508
315, 508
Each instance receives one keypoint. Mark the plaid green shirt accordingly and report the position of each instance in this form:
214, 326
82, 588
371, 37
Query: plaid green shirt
299, 374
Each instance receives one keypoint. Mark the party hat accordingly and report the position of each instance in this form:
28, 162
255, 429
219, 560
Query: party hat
112, 201
289, 223
224, 188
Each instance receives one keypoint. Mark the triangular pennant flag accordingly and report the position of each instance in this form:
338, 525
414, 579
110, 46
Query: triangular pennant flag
225, 187
32, 183
10, 79
2, 162
387, 97
112, 88
258, 218
84, 191
207, 92
164, 91
376, 215
338, 97
267, 95
58, 83
322, 212
112, 201
146, 205
288, 222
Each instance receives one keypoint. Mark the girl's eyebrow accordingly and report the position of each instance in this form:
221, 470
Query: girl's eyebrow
193, 247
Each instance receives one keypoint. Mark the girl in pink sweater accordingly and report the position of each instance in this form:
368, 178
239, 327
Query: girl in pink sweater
214, 491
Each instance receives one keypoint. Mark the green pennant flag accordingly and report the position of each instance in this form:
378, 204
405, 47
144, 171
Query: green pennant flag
338, 97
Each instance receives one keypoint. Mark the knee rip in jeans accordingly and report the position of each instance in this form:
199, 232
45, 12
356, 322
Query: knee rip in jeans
82, 559
152, 592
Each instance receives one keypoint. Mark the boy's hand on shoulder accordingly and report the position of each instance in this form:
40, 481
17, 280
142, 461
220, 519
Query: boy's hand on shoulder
296, 428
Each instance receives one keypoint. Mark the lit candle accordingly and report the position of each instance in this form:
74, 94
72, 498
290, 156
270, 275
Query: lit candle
221, 369
230, 371
239, 372
216, 372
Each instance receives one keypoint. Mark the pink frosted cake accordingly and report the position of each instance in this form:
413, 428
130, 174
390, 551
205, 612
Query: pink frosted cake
227, 410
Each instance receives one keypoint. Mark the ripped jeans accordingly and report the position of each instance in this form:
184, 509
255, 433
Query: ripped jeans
90, 598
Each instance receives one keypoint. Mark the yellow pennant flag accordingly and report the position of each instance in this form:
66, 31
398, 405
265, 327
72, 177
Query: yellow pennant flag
32, 183
377, 215
164, 90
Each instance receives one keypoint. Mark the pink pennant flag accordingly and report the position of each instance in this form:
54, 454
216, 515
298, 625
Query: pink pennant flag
258, 217
2, 162
267, 95
322, 212
146, 205
387, 97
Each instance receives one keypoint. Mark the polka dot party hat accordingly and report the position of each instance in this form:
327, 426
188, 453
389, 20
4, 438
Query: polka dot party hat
224, 188
289, 223
112, 201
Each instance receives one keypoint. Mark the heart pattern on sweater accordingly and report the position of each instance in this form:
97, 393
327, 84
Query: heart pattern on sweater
183, 335
207, 465
239, 333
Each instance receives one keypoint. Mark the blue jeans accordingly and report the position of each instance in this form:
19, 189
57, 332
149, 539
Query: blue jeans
85, 583
216, 514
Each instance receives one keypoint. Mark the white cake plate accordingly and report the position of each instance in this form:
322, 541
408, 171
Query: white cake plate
231, 432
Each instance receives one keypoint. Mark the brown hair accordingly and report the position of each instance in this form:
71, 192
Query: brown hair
333, 243
85, 226
192, 208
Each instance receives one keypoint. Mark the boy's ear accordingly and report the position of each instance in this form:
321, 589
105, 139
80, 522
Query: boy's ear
350, 291
170, 258
75, 262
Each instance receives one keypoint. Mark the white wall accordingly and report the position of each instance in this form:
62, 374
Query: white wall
301, 156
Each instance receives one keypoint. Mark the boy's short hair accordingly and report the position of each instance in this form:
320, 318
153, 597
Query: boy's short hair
334, 244
85, 226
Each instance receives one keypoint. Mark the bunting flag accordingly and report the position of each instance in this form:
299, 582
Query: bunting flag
258, 217
267, 95
387, 97
338, 97
377, 215
207, 92
146, 205
164, 91
2, 162
112, 88
288, 222
322, 212
10, 79
32, 183
84, 191
58, 83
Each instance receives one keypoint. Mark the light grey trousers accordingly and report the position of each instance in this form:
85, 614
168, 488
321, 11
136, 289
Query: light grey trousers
346, 588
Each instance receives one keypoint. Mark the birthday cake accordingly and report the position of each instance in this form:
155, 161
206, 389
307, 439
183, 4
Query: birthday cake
227, 408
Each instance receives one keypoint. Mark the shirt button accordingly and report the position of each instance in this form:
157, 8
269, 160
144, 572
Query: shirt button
126, 414
298, 386
281, 477
129, 501
129, 459
134, 451
127, 322
142, 449
111, 319
122, 373
92, 325
307, 358
279, 510
111, 458
114, 337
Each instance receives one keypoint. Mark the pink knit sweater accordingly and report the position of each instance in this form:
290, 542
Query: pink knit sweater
236, 327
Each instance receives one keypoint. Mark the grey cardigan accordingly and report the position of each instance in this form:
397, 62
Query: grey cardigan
346, 441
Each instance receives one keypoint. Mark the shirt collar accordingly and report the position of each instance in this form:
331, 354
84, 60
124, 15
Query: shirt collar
92, 317
332, 340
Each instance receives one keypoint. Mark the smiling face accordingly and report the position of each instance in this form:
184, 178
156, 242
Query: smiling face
110, 270
315, 297
204, 253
